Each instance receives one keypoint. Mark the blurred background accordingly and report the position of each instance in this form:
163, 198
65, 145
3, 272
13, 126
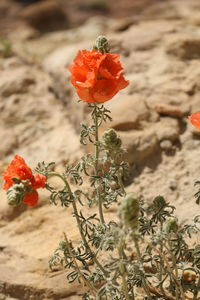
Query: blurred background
49, 15
40, 116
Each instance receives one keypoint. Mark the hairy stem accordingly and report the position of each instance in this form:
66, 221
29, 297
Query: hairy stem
123, 272
119, 177
160, 276
79, 223
139, 257
177, 281
100, 205
86, 282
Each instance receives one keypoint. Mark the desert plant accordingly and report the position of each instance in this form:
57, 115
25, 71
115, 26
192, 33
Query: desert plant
146, 254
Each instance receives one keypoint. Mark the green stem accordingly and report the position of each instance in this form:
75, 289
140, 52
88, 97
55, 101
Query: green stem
123, 272
79, 223
160, 276
100, 205
139, 257
119, 177
85, 281
177, 281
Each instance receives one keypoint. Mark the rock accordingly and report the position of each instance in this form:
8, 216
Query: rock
16, 82
164, 109
173, 184
184, 47
145, 36
26, 103
127, 112
9, 213
139, 145
164, 10
167, 129
9, 142
45, 16
189, 276
165, 144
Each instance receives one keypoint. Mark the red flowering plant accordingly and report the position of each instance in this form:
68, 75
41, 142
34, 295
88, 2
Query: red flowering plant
97, 76
21, 184
145, 254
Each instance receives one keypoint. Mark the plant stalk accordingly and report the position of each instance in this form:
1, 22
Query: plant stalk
177, 281
87, 282
139, 257
123, 272
100, 205
79, 223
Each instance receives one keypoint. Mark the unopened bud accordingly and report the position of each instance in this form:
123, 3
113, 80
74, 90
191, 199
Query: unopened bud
129, 211
171, 225
101, 44
62, 245
111, 139
16, 194
159, 203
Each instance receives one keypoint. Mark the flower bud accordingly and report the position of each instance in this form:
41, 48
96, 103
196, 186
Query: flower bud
171, 225
16, 194
101, 44
159, 203
62, 245
129, 211
111, 139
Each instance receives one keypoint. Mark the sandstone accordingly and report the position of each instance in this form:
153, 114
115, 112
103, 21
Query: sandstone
184, 47
167, 129
139, 145
127, 112
164, 10
16, 82
45, 16
169, 110
166, 144
145, 36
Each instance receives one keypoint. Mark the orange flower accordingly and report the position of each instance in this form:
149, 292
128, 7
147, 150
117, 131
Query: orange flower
19, 169
96, 76
31, 198
16, 169
38, 181
195, 119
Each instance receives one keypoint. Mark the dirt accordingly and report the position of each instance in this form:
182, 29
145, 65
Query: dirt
40, 117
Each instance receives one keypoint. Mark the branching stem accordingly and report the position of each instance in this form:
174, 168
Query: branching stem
86, 282
79, 223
